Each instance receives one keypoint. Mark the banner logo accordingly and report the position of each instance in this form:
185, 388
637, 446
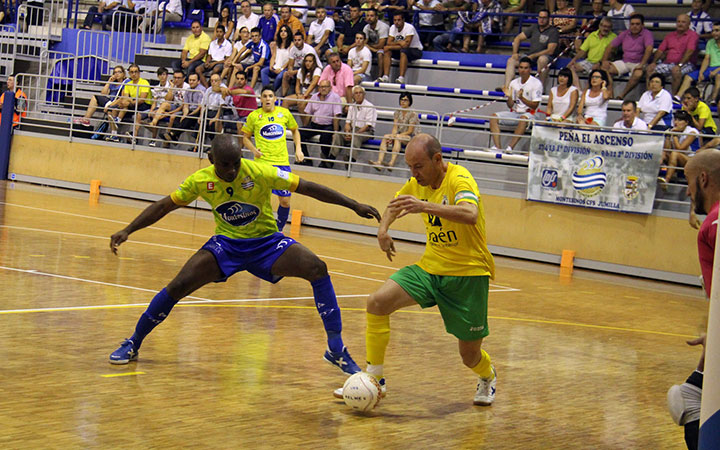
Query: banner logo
590, 178
631, 187
549, 178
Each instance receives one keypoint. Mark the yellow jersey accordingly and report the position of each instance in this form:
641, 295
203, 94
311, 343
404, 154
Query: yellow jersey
453, 248
269, 132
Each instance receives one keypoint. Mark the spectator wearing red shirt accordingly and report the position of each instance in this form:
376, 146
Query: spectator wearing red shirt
677, 54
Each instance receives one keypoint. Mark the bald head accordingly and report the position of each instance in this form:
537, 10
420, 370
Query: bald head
426, 143
224, 146
423, 156
707, 161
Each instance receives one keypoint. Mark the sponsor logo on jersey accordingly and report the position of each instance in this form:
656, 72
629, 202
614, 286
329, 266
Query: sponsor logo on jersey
210, 186
238, 214
247, 183
272, 131
285, 175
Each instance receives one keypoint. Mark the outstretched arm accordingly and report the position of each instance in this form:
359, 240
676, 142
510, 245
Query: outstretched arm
463, 212
327, 195
152, 214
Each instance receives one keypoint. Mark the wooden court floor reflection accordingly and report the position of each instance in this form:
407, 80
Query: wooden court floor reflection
582, 362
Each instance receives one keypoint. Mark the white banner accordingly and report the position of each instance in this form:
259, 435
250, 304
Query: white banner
614, 170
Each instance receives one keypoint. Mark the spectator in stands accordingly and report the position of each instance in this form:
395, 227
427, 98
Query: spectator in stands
325, 110
226, 21
543, 42
377, 33
216, 100
390, 7
299, 9
512, 6
592, 23
206, 5
21, 100
192, 107
430, 23
403, 44
480, 19
359, 126
637, 47
246, 18
620, 13
172, 106
103, 9
709, 69
677, 54
173, 11
700, 21
108, 93
591, 52
321, 30
370, 4
592, 109
268, 23
219, 50
340, 76
279, 59
297, 53
305, 86
630, 120
348, 29
136, 96
360, 59
564, 25
243, 98
563, 99
234, 63
524, 94
405, 125
286, 18
700, 115
261, 55
195, 49
656, 104
158, 94
678, 148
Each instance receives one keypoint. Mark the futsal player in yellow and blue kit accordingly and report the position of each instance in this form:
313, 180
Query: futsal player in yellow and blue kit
268, 124
454, 271
246, 238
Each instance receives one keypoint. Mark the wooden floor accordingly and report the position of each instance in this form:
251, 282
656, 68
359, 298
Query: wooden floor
582, 362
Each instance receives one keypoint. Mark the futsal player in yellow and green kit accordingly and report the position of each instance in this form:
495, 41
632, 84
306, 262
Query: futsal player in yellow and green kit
454, 271
268, 124
246, 238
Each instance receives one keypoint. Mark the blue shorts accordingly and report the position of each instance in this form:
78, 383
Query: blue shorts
284, 192
696, 73
257, 255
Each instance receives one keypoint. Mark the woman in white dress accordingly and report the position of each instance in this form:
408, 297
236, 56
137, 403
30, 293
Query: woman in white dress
305, 86
563, 98
592, 109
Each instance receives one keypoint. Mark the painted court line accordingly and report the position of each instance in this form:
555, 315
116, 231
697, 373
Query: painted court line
124, 374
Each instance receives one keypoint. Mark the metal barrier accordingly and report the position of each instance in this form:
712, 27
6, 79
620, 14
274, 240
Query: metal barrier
494, 170
95, 45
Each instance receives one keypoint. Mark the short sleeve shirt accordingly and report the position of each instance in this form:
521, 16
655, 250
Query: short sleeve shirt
638, 124
193, 44
452, 248
706, 246
317, 30
595, 46
135, 90
358, 58
218, 52
339, 80
649, 106
407, 30
532, 90
269, 132
675, 45
539, 40
242, 208
712, 49
702, 111
380, 31
633, 47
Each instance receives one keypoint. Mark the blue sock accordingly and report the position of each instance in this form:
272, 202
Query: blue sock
155, 313
282, 217
329, 311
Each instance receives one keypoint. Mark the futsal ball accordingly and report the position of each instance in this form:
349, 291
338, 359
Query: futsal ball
361, 391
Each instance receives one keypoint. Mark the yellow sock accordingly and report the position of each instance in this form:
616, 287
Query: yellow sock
483, 368
377, 337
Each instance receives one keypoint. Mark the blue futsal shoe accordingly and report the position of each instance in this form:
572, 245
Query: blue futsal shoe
125, 353
342, 360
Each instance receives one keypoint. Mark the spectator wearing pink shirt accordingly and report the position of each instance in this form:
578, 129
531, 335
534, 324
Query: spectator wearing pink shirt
637, 47
340, 76
677, 55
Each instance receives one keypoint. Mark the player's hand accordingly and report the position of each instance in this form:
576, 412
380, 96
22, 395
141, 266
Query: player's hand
699, 341
387, 245
506, 90
406, 204
117, 239
366, 211
299, 157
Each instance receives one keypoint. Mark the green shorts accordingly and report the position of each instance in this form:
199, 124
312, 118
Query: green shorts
462, 301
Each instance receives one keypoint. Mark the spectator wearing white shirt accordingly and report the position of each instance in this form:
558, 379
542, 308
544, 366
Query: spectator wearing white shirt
297, 53
630, 120
524, 94
700, 21
620, 13
376, 31
321, 31
170, 106
359, 126
173, 11
656, 104
216, 101
219, 50
234, 64
428, 21
246, 18
159, 93
305, 83
360, 60
299, 9
403, 43
679, 148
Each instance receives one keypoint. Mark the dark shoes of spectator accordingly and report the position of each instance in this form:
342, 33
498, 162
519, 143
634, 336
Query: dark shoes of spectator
306, 162
168, 137
326, 165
